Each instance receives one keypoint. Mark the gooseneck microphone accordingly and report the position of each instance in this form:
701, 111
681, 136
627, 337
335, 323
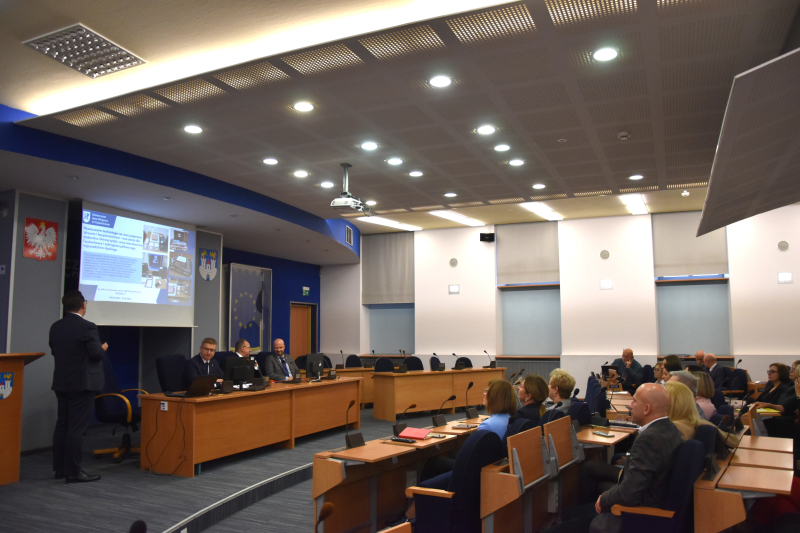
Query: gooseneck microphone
470, 412
404, 353
353, 440
324, 512
399, 427
373, 352
575, 393
492, 362
438, 419
737, 363
511, 378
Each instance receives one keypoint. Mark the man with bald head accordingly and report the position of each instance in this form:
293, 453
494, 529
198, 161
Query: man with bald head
700, 356
716, 371
280, 366
629, 369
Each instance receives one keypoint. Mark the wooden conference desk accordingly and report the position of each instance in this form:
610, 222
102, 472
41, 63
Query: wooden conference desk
216, 426
357, 372
394, 392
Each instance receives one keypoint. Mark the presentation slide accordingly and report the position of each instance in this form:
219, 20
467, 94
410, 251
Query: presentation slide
131, 261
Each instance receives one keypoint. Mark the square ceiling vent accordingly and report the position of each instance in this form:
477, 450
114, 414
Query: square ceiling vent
84, 50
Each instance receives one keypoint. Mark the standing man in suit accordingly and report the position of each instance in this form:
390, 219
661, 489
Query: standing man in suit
280, 366
716, 371
202, 364
77, 378
629, 370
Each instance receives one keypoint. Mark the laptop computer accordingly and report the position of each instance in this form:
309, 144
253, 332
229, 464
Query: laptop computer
201, 386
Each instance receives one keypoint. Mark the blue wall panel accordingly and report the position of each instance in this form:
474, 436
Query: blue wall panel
532, 322
693, 317
391, 328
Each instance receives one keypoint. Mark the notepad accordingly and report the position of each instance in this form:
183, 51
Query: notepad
767, 410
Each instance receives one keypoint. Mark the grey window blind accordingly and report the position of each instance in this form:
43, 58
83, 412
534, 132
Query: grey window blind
678, 252
527, 253
387, 268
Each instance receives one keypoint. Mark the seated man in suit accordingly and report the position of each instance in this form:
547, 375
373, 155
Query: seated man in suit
202, 364
242, 348
700, 357
629, 370
716, 371
280, 366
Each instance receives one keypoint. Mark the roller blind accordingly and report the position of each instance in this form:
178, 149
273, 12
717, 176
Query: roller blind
527, 253
678, 252
387, 268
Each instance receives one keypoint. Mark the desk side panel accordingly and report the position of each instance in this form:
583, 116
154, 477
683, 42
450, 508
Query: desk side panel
324, 407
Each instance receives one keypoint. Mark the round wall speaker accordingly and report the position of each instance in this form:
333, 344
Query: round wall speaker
453, 262
783, 246
604, 254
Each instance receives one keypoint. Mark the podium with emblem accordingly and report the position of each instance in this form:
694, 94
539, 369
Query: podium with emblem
12, 369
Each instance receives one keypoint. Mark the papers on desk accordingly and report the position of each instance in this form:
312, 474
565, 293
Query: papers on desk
768, 411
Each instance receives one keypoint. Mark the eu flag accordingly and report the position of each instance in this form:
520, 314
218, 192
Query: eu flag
246, 318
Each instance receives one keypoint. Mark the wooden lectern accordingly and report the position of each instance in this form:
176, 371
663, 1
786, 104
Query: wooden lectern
12, 366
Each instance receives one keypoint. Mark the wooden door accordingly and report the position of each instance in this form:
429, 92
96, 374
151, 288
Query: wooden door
300, 331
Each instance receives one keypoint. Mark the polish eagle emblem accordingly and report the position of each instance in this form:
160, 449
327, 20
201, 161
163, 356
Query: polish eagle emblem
40, 240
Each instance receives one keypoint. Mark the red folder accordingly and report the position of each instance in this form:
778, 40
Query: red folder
414, 433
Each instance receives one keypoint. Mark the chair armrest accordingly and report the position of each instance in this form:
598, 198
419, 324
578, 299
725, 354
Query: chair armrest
140, 390
422, 491
617, 510
124, 399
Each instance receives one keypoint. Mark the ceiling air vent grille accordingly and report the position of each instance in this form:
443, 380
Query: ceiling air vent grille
499, 201
323, 60
348, 235
85, 117
687, 185
190, 91
427, 208
548, 197
481, 28
84, 50
573, 15
403, 42
391, 211
591, 193
252, 76
135, 105
639, 189
466, 204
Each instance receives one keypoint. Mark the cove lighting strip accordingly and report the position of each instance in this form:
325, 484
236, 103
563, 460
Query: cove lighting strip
635, 203
455, 217
542, 210
390, 223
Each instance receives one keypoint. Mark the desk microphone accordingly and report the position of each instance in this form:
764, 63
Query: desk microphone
575, 393
519, 375
434, 353
325, 512
737, 420
492, 362
404, 353
438, 420
399, 427
353, 440
373, 352
511, 378
470, 412
737, 363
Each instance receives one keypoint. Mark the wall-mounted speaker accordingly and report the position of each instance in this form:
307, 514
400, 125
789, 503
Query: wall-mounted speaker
487, 237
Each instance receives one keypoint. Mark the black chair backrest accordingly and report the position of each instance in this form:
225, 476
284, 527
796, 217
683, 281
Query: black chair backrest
353, 361
465, 360
300, 362
592, 386
108, 408
718, 398
580, 411
221, 357
550, 416
384, 364
413, 362
738, 381
261, 359
517, 426
170, 371
326, 361
687, 467
707, 436
723, 410
434, 362
601, 403
648, 376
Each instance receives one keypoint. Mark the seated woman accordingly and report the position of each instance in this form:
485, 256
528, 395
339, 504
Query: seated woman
782, 397
561, 387
705, 391
501, 404
682, 409
532, 393
661, 374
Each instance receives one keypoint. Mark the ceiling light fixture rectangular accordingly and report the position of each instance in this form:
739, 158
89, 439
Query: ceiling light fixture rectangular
390, 223
455, 217
635, 203
542, 210
84, 50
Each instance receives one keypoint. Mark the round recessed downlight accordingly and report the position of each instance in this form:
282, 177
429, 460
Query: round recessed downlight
516, 162
561, 140
605, 54
303, 107
300, 174
538, 186
270, 161
415, 174
194, 130
369, 145
440, 81
395, 161
502, 148
326, 184
685, 194
486, 129
371, 202
636, 177
168, 198
450, 194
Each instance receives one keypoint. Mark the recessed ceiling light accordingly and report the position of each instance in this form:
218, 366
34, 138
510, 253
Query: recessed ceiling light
685, 194
193, 129
636, 177
561, 140
390, 223
605, 54
371, 202
486, 129
326, 184
73, 177
502, 147
300, 174
516, 162
303, 107
538, 186
168, 198
395, 161
455, 217
234, 216
542, 210
369, 145
440, 81
450, 194
270, 161
635, 203
415, 173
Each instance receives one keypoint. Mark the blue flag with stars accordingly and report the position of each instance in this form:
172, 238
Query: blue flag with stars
246, 307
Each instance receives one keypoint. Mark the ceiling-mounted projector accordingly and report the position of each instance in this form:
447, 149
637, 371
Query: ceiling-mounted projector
348, 201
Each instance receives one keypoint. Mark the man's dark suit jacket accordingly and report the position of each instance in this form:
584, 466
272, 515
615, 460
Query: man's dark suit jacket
274, 368
78, 352
645, 476
718, 376
197, 367
630, 376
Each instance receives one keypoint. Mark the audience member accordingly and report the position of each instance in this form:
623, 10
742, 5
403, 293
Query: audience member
699, 356
716, 371
794, 375
682, 409
501, 404
672, 363
561, 386
705, 391
661, 374
690, 381
532, 393
782, 397
693, 369
630, 370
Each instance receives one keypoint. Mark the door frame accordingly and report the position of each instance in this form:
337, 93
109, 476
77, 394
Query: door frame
314, 323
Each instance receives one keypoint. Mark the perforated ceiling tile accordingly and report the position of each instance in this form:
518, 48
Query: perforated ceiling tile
599, 192
466, 204
85, 117
628, 149
190, 91
513, 200
322, 60
318, 152
135, 105
581, 169
700, 37
620, 112
478, 179
628, 46
338, 127
370, 92
462, 168
251, 76
548, 197
684, 8
771, 113
692, 125
427, 208
407, 116
536, 96
575, 16
289, 136
676, 104
556, 119
675, 145
558, 140
460, 107
752, 158
237, 145
431, 136
518, 66
688, 159
493, 26
401, 43
571, 155
635, 165
638, 131
442, 154
586, 182
614, 86
697, 74
776, 25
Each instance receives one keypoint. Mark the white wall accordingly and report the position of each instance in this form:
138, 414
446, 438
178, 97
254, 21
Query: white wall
341, 309
464, 323
763, 313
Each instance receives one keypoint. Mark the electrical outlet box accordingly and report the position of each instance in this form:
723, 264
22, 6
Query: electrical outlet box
164, 406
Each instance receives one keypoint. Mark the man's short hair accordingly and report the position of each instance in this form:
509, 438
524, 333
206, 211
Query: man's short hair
239, 344
72, 301
209, 340
687, 379
672, 363
694, 368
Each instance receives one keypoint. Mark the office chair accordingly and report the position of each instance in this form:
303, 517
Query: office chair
300, 362
580, 411
384, 364
413, 362
220, 358
648, 376
434, 362
112, 407
465, 360
170, 372
353, 361
550, 416
718, 398
326, 362
517, 426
